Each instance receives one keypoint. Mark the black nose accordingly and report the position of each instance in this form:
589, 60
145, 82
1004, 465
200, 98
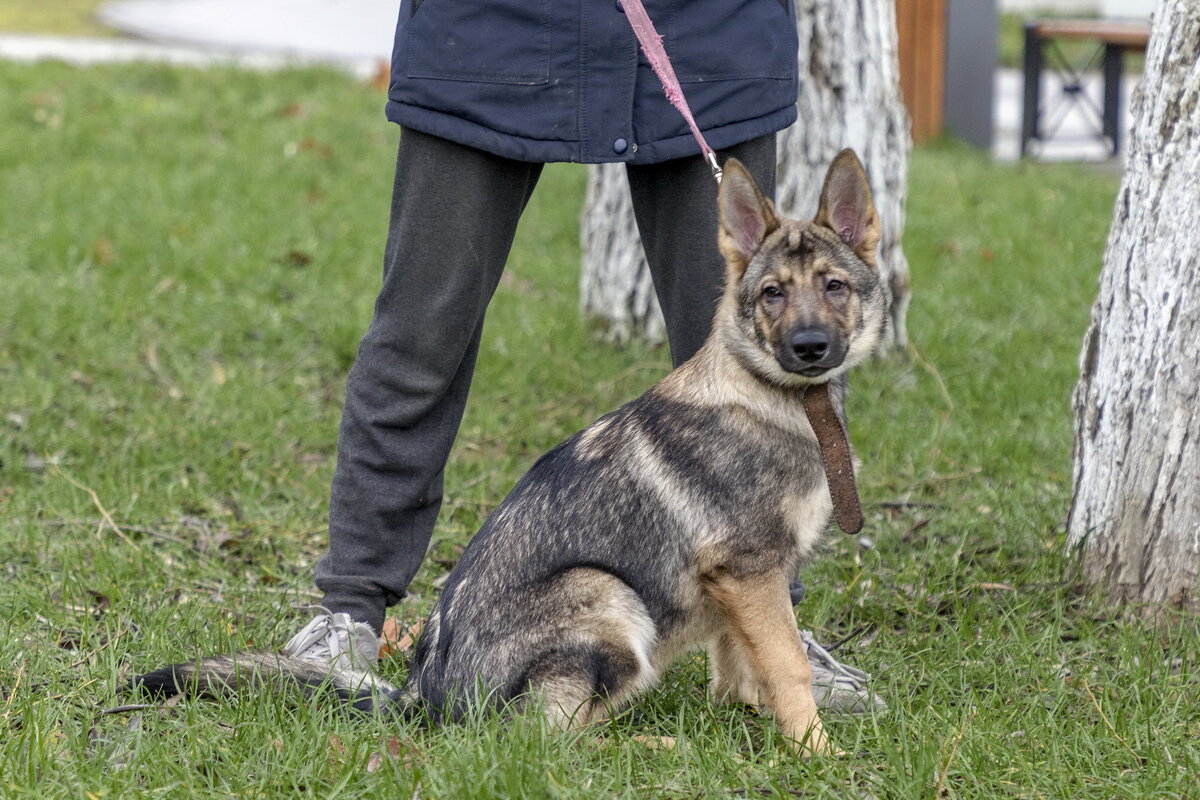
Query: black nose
810, 345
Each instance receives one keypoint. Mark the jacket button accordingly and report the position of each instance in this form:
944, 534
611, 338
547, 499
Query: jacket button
620, 7
620, 146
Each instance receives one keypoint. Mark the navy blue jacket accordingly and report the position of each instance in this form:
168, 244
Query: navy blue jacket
564, 80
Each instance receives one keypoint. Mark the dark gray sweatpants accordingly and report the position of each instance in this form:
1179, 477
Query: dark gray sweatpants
454, 214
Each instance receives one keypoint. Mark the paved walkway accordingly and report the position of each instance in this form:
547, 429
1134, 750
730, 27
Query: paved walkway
83, 51
339, 30
357, 35
260, 34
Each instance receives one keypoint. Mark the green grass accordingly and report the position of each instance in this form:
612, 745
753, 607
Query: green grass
188, 260
61, 17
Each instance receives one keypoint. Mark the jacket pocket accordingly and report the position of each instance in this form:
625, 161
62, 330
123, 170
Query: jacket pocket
715, 40
484, 41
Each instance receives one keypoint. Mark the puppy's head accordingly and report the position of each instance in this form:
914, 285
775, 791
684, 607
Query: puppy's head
803, 301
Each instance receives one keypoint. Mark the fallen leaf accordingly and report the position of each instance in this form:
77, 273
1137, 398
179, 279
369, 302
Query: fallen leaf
337, 746
395, 638
393, 750
295, 258
656, 742
382, 79
309, 144
103, 252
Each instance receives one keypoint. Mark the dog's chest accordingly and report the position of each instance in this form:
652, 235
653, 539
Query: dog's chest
804, 502
792, 500
806, 515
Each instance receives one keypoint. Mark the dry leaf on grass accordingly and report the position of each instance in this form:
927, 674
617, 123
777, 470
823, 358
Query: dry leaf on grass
656, 742
393, 750
337, 748
382, 78
396, 638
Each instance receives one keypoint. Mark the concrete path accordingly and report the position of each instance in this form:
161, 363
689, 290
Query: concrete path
338, 30
258, 34
83, 51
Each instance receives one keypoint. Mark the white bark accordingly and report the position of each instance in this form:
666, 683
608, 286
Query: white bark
849, 97
1135, 516
614, 282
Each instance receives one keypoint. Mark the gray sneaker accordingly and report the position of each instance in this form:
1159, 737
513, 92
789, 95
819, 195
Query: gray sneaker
337, 640
837, 687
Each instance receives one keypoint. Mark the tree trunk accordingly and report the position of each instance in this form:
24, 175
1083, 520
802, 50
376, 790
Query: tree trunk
849, 97
1135, 516
614, 282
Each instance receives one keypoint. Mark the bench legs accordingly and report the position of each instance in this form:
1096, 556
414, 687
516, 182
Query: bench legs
1031, 110
1031, 118
1114, 59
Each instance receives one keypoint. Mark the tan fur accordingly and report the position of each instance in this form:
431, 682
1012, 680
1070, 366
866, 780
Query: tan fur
591, 441
761, 650
732, 680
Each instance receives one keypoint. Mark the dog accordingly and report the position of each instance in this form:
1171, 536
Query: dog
673, 523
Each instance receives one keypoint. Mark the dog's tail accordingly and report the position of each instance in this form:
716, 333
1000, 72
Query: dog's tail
225, 676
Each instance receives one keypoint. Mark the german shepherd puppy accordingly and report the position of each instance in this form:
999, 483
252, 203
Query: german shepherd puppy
672, 523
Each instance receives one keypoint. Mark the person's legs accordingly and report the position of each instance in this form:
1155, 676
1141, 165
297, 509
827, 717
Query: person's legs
675, 204
453, 217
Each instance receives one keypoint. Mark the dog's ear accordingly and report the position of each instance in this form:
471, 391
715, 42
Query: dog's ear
746, 216
847, 208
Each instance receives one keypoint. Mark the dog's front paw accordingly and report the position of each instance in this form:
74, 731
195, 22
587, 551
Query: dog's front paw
811, 740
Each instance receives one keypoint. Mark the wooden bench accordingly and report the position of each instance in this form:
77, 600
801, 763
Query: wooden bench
1113, 40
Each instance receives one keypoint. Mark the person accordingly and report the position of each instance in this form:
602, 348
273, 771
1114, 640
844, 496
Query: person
486, 92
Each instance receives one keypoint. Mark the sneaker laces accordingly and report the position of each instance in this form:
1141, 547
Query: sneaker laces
818, 655
836, 686
337, 640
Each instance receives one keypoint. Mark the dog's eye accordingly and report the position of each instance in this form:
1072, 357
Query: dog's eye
835, 285
772, 292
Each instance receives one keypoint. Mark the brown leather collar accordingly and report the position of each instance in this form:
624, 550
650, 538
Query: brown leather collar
835, 454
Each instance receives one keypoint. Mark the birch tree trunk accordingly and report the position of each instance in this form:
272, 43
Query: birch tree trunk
1135, 515
849, 97
614, 279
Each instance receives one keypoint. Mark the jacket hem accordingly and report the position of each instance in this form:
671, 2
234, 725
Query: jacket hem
506, 145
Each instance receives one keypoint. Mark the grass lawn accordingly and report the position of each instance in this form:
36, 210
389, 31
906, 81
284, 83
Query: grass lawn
63, 17
188, 260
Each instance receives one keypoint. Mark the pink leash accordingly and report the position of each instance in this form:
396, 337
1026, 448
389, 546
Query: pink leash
651, 44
